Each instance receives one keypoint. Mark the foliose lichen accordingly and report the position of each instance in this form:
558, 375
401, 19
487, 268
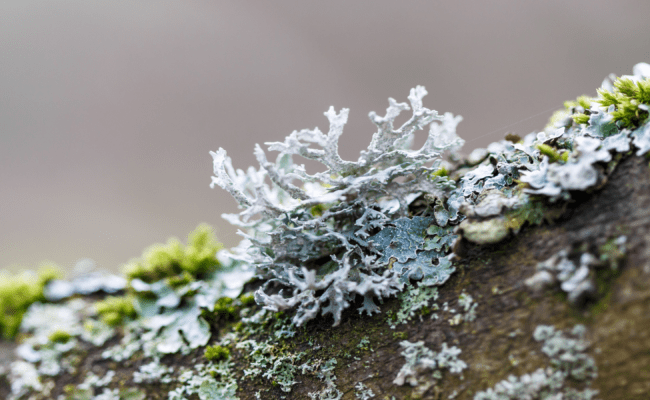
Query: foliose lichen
346, 231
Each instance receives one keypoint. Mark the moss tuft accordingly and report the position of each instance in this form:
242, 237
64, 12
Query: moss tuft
113, 310
626, 97
59, 337
549, 151
17, 293
176, 262
216, 353
442, 171
247, 299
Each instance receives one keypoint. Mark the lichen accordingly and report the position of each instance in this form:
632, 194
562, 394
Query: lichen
568, 361
578, 281
415, 300
344, 249
422, 363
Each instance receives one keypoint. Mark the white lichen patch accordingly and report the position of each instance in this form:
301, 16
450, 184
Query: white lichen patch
577, 280
326, 374
424, 365
467, 311
267, 362
208, 381
362, 392
153, 372
568, 361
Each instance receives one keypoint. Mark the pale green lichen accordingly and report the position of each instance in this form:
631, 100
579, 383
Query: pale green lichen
362, 392
568, 360
415, 300
209, 381
423, 364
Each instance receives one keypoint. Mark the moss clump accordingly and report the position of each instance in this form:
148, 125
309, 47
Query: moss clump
247, 299
113, 310
180, 280
224, 308
630, 99
17, 293
442, 171
216, 353
549, 151
60, 337
180, 264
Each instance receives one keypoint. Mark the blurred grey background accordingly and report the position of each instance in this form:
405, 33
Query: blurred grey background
108, 109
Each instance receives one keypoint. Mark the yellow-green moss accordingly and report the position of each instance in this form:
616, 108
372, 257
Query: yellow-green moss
442, 171
247, 299
59, 337
178, 263
549, 151
17, 293
626, 97
216, 353
113, 310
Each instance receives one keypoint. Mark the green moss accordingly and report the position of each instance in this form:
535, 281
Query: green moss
581, 119
317, 210
442, 171
225, 308
114, 310
59, 337
564, 157
180, 280
534, 212
17, 293
216, 353
626, 98
176, 262
549, 151
247, 299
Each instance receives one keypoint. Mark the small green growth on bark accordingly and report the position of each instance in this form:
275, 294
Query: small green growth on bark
216, 353
549, 151
630, 99
113, 310
59, 337
17, 293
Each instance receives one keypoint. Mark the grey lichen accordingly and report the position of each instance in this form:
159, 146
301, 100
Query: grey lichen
345, 247
424, 366
568, 360
578, 281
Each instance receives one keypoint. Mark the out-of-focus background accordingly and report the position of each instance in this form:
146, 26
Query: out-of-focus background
108, 109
